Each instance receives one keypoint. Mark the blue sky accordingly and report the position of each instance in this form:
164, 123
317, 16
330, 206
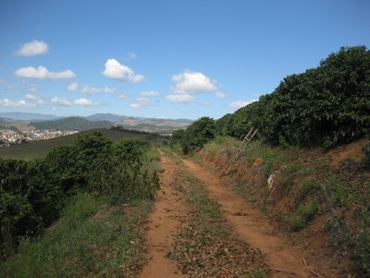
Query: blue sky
173, 59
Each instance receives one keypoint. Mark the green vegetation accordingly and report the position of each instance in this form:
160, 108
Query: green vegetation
325, 106
305, 187
256, 274
354, 245
196, 135
90, 239
33, 193
39, 149
304, 214
238, 124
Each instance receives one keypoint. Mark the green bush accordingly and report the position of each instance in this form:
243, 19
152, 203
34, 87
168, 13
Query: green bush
29, 200
223, 124
177, 136
33, 193
123, 174
197, 134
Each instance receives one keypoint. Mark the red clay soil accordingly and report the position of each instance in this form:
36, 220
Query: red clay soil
168, 214
253, 228
352, 150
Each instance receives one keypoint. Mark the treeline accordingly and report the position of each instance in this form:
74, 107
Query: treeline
33, 193
324, 106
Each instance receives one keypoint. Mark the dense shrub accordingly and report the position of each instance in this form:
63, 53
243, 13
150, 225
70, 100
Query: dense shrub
122, 175
197, 134
29, 199
324, 106
32, 193
223, 125
177, 136
244, 119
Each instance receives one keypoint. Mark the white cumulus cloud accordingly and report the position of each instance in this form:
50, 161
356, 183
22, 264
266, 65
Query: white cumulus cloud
92, 90
43, 73
114, 70
190, 82
149, 93
240, 103
34, 99
122, 96
66, 102
13, 103
31, 97
61, 101
140, 102
32, 48
72, 87
180, 98
83, 102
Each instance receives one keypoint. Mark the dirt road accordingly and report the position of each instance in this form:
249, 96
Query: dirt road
169, 211
251, 226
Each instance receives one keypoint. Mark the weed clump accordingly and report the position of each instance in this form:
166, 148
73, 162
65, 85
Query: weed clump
304, 215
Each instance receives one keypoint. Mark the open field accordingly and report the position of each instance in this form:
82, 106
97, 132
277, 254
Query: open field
38, 149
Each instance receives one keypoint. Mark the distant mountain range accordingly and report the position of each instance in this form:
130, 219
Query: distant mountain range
105, 117
27, 121
20, 116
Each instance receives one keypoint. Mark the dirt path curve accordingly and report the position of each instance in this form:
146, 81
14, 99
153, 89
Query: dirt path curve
251, 226
169, 211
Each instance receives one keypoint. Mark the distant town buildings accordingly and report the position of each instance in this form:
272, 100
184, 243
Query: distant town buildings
12, 136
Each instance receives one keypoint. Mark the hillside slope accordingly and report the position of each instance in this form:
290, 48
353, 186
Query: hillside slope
318, 199
37, 149
72, 123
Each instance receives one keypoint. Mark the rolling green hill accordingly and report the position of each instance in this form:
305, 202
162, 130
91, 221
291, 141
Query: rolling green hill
38, 149
72, 123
